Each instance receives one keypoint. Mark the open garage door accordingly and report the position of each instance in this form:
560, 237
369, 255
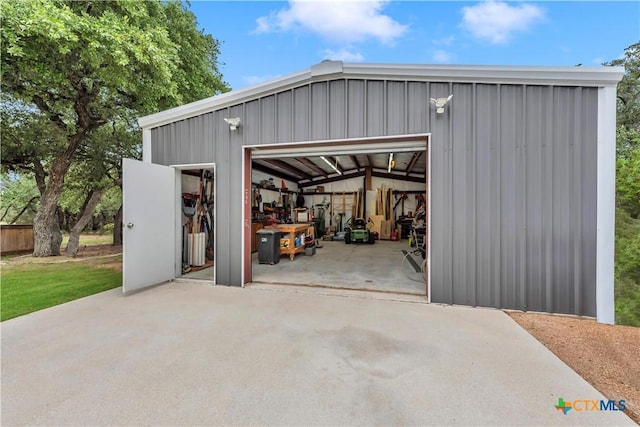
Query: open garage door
302, 160
398, 144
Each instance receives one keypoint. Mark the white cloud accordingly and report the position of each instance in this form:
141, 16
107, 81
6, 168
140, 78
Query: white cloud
445, 41
442, 56
496, 21
343, 54
341, 21
253, 80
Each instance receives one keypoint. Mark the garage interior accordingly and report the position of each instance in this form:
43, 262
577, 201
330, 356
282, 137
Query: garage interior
345, 220
197, 223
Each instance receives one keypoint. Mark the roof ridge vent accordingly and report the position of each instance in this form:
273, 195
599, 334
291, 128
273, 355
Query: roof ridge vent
326, 67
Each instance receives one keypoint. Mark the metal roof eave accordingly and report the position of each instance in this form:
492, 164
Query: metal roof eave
563, 76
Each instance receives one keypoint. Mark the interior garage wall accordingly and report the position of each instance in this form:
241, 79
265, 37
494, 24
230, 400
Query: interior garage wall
513, 177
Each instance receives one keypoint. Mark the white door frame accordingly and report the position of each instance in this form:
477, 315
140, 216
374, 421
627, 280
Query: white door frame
178, 208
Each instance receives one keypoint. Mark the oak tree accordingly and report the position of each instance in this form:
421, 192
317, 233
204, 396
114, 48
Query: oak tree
84, 64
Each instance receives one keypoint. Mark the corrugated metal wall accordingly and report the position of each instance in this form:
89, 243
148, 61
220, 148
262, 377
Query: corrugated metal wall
513, 167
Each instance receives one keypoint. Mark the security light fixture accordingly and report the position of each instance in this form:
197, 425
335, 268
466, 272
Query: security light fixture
331, 164
440, 103
233, 122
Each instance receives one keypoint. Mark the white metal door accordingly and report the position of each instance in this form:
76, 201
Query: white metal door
148, 218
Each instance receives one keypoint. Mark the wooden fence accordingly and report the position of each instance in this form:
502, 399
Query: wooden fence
16, 238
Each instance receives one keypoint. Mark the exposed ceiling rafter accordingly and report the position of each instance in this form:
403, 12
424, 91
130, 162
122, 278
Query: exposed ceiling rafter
331, 179
398, 177
414, 160
289, 168
354, 159
310, 164
270, 171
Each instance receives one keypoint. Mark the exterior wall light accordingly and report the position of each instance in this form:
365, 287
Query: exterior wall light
440, 103
233, 123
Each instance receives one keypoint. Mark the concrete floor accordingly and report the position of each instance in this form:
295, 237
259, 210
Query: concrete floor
192, 354
204, 274
377, 267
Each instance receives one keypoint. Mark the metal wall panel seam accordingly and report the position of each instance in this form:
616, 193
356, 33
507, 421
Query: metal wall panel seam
309, 112
328, 110
499, 204
472, 277
548, 223
406, 106
260, 140
365, 111
578, 147
522, 195
385, 107
346, 109
292, 118
276, 116
452, 173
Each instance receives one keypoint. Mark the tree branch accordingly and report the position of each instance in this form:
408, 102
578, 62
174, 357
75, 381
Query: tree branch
40, 176
56, 118
6, 211
13, 221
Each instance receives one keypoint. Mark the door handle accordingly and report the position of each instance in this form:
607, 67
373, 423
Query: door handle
129, 225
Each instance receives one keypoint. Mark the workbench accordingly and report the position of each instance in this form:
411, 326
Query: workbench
293, 230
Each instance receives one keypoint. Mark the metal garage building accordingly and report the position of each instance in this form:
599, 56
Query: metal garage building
520, 182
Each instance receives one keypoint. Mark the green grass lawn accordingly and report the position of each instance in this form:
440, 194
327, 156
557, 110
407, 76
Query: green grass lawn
30, 287
89, 239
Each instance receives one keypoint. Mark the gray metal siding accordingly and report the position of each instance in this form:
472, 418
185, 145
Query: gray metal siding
513, 178
319, 117
301, 113
356, 109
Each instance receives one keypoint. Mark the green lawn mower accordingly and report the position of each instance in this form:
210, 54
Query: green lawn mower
356, 231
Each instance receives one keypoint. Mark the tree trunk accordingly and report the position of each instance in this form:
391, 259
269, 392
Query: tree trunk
85, 216
46, 226
117, 228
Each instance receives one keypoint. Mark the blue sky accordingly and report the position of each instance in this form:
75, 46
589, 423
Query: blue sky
262, 40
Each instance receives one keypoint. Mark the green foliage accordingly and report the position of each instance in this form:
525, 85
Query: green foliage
627, 252
133, 54
81, 65
628, 182
16, 192
629, 89
627, 269
31, 287
110, 203
120, 54
27, 136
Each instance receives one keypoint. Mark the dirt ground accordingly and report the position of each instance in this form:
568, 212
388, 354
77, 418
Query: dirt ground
103, 255
607, 356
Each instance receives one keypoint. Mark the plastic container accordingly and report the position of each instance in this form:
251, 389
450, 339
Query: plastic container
268, 246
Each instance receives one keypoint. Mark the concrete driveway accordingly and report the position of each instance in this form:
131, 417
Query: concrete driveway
191, 354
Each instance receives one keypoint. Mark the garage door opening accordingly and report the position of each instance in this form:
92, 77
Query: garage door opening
337, 194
